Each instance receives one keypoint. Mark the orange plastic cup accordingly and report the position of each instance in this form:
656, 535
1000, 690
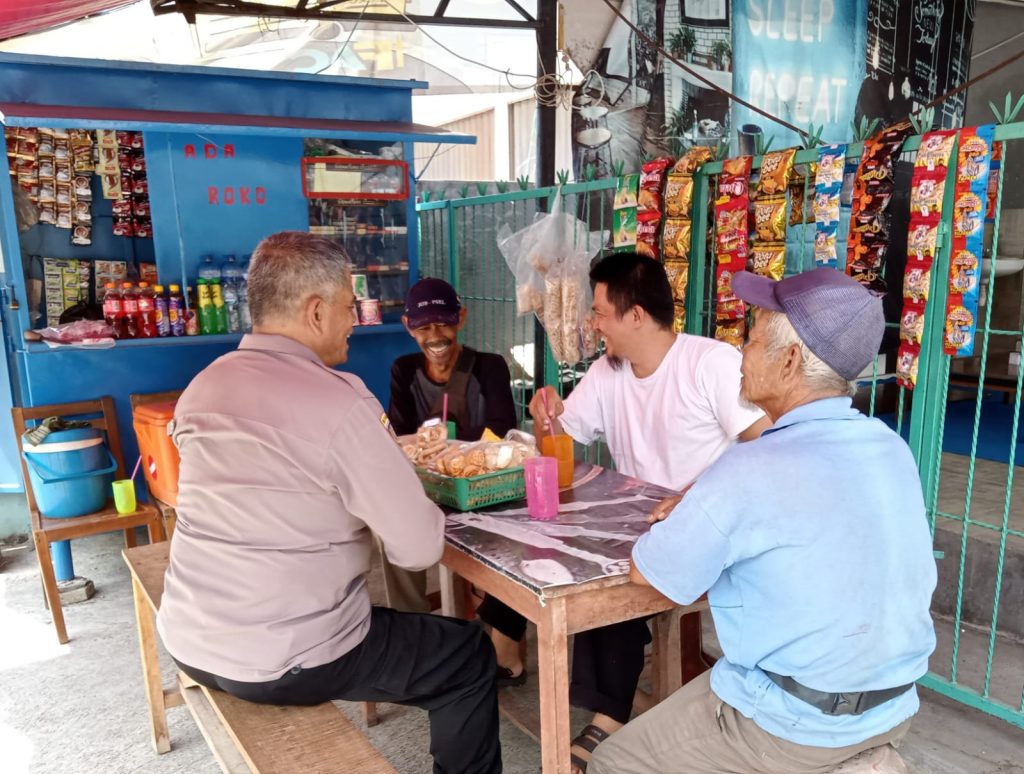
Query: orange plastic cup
560, 447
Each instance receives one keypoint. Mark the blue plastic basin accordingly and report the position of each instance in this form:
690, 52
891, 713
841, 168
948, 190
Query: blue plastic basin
70, 471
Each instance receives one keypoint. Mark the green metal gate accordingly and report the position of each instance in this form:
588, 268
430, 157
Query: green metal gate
975, 513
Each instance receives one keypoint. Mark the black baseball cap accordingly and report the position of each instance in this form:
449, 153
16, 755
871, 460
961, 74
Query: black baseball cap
430, 301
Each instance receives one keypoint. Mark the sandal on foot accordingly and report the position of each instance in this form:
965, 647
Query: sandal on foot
589, 738
505, 679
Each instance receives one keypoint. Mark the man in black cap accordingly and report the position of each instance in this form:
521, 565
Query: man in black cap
478, 386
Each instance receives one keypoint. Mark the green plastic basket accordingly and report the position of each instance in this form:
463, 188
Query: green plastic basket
467, 494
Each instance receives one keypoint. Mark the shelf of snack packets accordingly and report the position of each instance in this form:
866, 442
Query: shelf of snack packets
753, 209
468, 475
55, 167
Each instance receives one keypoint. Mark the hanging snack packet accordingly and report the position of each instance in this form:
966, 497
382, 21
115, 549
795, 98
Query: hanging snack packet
775, 170
647, 228
872, 192
769, 260
906, 365
676, 238
626, 190
912, 323
974, 164
731, 331
770, 218
678, 195
827, 187
692, 160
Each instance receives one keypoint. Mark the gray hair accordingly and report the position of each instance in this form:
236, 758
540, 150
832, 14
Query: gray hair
780, 334
290, 266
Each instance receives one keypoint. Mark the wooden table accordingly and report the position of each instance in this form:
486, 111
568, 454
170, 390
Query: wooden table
578, 585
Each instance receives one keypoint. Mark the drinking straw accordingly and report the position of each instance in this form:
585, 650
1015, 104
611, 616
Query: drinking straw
138, 462
444, 410
544, 400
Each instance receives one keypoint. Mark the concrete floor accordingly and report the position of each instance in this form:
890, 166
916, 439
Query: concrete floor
79, 708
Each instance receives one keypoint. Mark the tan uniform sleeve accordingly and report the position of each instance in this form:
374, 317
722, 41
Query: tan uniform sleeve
378, 486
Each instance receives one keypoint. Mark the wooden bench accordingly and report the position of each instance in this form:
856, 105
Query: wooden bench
243, 736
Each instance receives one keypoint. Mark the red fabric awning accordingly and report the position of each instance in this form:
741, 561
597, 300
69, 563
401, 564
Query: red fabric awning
21, 17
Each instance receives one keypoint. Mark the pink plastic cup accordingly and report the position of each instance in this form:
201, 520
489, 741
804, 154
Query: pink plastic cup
541, 475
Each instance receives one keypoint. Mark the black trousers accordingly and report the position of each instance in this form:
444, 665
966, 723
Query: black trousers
442, 665
606, 662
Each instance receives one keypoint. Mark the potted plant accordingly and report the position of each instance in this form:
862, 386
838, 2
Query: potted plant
721, 52
680, 121
682, 42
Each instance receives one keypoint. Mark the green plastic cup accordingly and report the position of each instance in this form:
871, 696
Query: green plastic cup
124, 496
451, 430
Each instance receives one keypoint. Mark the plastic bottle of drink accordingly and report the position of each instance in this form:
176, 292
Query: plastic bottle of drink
208, 270
220, 311
163, 319
230, 272
205, 311
234, 318
147, 312
132, 322
113, 309
191, 312
176, 311
243, 302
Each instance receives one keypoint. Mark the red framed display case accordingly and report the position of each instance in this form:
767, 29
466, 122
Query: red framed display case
377, 179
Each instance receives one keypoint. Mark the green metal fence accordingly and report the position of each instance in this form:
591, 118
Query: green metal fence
975, 512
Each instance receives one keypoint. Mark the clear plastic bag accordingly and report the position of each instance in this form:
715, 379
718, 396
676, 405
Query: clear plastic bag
550, 260
91, 333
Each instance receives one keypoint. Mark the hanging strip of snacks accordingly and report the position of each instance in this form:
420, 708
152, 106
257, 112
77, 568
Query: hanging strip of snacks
768, 256
731, 247
122, 165
648, 206
974, 161
827, 185
927, 190
624, 212
678, 228
869, 221
54, 167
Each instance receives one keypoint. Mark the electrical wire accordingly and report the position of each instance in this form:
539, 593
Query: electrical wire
348, 40
1000, 44
506, 72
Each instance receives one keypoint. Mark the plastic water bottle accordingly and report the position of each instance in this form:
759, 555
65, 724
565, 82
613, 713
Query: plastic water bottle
243, 303
230, 272
113, 309
147, 312
130, 303
208, 270
163, 320
234, 318
176, 311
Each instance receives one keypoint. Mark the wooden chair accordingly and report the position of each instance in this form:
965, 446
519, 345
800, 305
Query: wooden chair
167, 512
101, 415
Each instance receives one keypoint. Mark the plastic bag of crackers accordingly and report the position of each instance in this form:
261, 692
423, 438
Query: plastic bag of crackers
431, 449
550, 260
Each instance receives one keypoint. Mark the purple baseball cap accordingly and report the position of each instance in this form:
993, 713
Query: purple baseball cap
838, 319
432, 301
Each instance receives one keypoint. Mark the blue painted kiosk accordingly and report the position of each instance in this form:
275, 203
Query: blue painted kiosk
224, 154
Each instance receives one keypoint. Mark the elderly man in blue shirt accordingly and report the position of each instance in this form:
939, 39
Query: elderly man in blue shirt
814, 549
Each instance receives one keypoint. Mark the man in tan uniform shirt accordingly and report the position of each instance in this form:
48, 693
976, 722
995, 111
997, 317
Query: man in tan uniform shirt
286, 467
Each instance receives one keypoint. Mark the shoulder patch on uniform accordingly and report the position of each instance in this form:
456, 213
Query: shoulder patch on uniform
387, 424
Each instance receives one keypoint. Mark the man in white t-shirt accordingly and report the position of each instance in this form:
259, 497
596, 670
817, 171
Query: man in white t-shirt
668, 406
